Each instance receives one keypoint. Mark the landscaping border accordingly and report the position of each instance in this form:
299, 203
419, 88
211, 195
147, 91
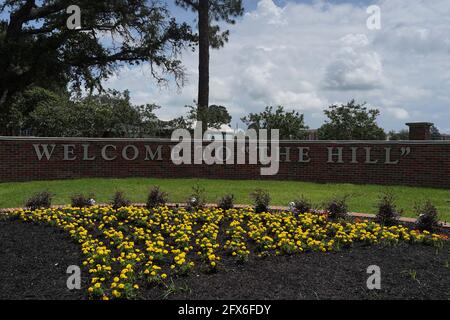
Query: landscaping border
444, 224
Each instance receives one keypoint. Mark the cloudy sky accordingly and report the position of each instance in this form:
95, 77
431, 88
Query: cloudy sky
309, 54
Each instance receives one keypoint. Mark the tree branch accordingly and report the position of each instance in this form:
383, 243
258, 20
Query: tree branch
29, 12
38, 13
191, 3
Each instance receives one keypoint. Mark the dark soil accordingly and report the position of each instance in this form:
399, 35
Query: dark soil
407, 272
34, 259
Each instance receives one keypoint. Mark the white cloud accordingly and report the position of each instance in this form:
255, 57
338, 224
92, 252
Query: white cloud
354, 69
268, 11
305, 56
398, 113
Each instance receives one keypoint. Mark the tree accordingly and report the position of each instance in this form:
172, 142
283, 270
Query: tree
401, 135
215, 117
404, 134
210, 36
351, 121
105, 115
23, 105
291, 124
38, 49
435, 134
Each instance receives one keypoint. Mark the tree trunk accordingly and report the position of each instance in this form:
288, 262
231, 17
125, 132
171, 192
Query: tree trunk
203, 66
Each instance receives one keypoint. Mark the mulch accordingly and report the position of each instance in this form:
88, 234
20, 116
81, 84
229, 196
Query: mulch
319, 276
34, 259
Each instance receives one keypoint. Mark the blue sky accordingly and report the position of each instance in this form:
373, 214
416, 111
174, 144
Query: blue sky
309, 54
251, 5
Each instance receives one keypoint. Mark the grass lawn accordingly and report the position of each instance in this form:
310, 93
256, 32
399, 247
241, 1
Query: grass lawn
362, 198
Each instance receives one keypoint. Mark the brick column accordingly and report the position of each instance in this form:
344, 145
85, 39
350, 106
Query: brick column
420, 130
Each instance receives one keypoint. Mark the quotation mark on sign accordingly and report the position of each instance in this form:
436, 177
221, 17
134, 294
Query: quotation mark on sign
405, 151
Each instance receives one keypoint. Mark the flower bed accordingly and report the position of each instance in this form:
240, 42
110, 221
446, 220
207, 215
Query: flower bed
132, 247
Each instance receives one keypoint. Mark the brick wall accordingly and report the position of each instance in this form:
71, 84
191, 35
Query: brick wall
419, 163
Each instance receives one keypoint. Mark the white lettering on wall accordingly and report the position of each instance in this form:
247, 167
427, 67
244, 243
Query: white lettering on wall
335, 152
150, 155
42, 149
222, 152
69, 152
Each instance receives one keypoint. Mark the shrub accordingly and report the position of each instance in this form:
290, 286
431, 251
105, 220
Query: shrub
302, 205
226, 202
119, 201
39, 200
156, 197
337, 207
197, 200
81, 201
387, 212
428, 217
261, 199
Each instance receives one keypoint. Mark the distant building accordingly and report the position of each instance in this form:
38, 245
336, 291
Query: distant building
224, 132
312, 135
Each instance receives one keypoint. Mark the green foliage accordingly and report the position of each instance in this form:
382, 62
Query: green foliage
37, 48
197, 200
156, 198
302, 205
39, 200
404, 134
103, 115
351, 121
337, 207
14, 194
226, 202
291, 124
435, 134
215, 115
119, 200
387, 212
401, 135
219, 10
261, 200
81, 201
428, 217
210, 35
24, 104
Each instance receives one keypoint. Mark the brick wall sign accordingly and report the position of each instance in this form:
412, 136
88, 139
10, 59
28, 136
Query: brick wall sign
414, 163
